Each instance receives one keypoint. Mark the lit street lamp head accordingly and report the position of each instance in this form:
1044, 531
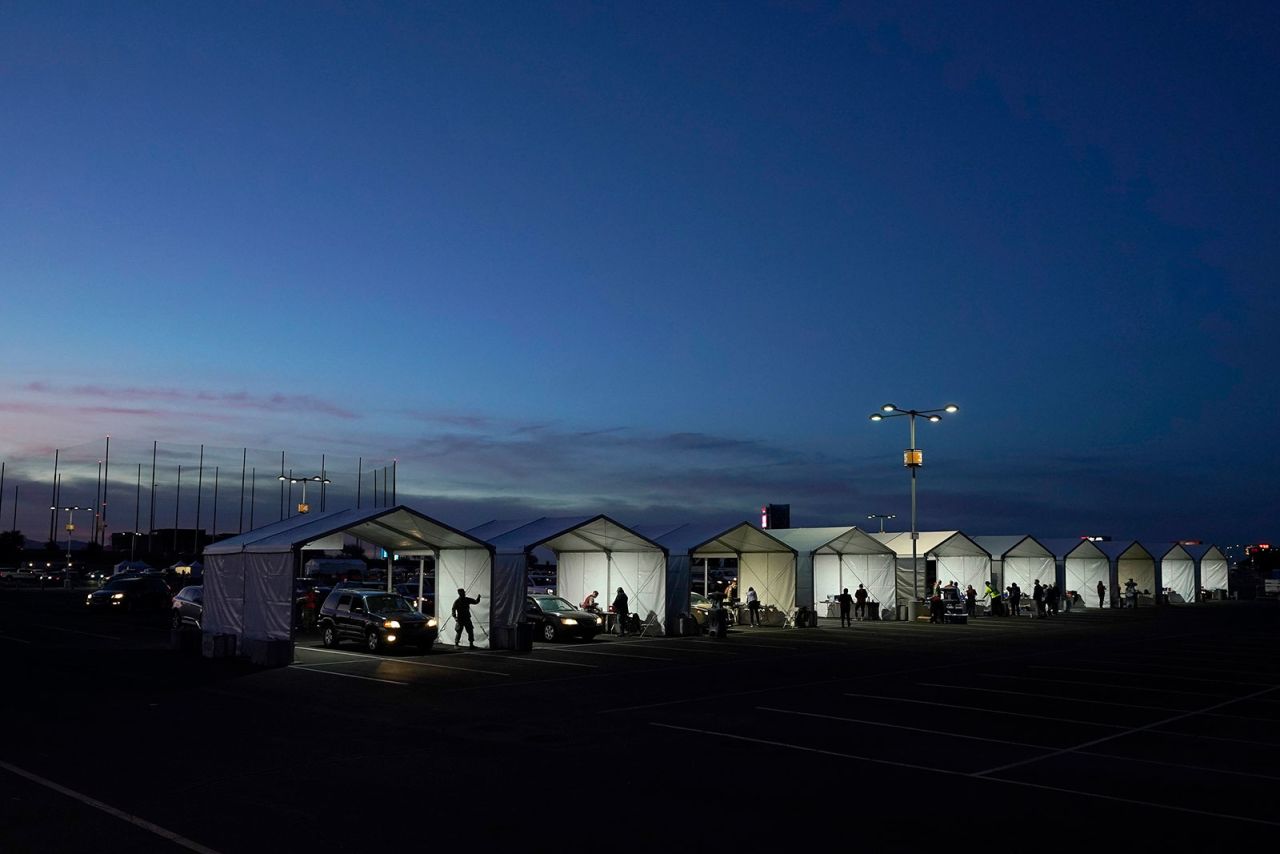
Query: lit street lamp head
888, 407
877, 417
951, 407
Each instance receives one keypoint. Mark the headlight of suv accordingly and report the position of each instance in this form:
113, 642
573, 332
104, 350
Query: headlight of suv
568, 621
391, 624
599, 621
432, 623
117, 595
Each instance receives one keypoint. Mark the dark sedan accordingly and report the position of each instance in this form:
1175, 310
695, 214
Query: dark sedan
188, 607
138, 593
375, 619
553, 618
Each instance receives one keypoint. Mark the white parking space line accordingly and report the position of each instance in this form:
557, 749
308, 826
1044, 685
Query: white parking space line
15, 640
151, 827
669, 646
1103, 685
996, 780
541, 661
987, 711
807, 749
737, 643
599, 652
1063, 699
382, 660
315, 668
864, 722
75, 632
1113, 736
1175, 677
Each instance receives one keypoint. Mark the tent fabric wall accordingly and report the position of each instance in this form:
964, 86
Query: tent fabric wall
1082, 575
1025, 571
641, 576
579, 573
1178, 574
224, 595
772, 574
1211, 571
833, 573
268, 596
472, 571
1214, 573
1141, 569
965, 570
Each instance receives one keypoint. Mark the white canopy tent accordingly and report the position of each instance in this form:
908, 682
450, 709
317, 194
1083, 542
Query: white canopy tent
764, 562
829, 560
956, 557
1178, 574
592, 553
679, 541
1130, 559
1083, 566
248, 579
1212, 572
1019, 559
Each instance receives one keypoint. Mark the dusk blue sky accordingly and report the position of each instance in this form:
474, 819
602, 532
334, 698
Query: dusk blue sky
658, 260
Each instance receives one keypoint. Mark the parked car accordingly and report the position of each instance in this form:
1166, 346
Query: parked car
410, 592
188, 606
554, 617
138, 593
374, 618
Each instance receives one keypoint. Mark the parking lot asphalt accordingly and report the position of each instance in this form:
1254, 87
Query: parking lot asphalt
1155, 726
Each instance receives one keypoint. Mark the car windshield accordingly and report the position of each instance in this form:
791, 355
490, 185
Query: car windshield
696, 599
553, 603
387, 602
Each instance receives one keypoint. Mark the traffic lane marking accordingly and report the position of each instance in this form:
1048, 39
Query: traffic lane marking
314, 668
389, 660
136, 821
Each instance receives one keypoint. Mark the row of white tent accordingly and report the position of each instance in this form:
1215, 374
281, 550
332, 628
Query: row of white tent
249, 592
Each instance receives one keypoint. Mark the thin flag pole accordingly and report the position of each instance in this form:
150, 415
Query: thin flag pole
282, 485
199, 495
137, 515
253, 488
177, 504
359, 480
97, 504
151, 505
106, 479
214, 526
54, 503
323, 478
393, 481
244, 461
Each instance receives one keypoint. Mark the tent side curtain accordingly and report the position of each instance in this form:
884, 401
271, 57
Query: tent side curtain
471, 570
678, 583
1178, 576
1213, 573
224, 595
268, 599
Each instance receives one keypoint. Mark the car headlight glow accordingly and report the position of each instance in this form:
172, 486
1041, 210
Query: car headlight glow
391, 638
391, 624
117, 595
599, 621
568, 621
432, 623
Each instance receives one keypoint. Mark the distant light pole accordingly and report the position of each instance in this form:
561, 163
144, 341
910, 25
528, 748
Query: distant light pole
882, 517
304, 507
913, 458
71, 526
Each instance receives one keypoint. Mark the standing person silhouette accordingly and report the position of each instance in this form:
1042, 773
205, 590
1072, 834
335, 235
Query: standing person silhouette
753, 606
860, 609
1102, 594
846, 602
462, 616
622, 608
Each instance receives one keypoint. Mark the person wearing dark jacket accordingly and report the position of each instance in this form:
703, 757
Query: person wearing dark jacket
846, 605
1037, 594
622, 609
462, 618
860, 607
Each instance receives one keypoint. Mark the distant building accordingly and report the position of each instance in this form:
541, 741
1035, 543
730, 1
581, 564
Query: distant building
775, 516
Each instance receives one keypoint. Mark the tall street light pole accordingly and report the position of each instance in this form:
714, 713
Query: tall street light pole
304, 507
913, 458
71, 526
882, 517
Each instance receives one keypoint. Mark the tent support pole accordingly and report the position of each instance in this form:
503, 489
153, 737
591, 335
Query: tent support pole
422, 571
